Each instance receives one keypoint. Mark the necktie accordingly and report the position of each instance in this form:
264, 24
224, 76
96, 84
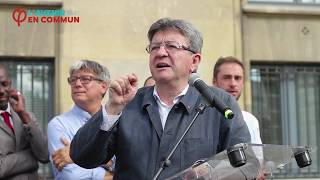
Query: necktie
6, 118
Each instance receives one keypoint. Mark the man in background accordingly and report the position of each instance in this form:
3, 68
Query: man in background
22, 143
228, 74
89, 83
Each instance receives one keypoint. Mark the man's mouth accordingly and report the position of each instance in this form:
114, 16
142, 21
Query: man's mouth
162, 65
3, 97
232, 92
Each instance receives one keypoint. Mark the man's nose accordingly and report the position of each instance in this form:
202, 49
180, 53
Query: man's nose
162, 51
78, 82
2, 91
233, 82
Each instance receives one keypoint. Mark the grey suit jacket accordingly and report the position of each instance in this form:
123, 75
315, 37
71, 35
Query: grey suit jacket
140, 144
21, 151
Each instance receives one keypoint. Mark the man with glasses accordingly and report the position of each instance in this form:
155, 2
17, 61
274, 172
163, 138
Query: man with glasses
22, 143
152, 119
89, 82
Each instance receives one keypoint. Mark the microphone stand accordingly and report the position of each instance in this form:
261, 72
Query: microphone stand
167, 162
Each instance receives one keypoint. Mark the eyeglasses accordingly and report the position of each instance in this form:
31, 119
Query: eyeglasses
170, 46
83, 79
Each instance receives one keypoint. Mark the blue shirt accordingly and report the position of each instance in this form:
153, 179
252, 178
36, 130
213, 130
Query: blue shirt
67, 125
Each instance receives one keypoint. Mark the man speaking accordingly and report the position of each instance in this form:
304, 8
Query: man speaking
150, 121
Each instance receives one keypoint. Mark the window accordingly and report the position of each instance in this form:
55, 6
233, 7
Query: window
35, 79
286, 100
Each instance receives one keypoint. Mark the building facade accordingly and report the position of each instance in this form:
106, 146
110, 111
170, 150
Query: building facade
278, 41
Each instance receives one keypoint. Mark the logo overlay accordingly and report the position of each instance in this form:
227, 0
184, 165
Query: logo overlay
21, 16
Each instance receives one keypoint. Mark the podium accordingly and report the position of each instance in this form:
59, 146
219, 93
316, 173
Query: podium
246, 161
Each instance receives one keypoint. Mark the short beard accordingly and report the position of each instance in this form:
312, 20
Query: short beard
3, 106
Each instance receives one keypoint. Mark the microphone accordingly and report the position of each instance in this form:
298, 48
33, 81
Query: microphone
210, 97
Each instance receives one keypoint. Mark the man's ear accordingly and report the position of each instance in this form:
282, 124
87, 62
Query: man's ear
196, 59
104, 87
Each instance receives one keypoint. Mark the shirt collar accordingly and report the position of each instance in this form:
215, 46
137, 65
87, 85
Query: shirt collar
78, 110
7, 110
175, 100
86, 116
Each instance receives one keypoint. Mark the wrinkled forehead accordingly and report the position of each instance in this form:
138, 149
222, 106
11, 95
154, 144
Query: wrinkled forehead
169, 34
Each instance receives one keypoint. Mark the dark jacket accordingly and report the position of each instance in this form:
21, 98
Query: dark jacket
140, 144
